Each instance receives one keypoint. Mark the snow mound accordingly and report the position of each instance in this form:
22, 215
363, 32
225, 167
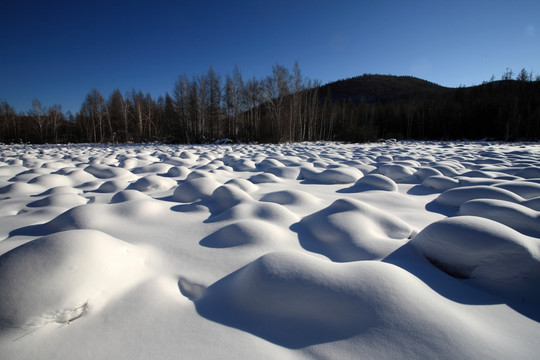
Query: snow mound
384, 158
264, 178
102, 171
341, 175
9, 171
477, 174
440, 182
153, 182
176, 161
51, 180
240, 164
477, 181
447, 170
196, 174
61, 190
426, 172
374, 182
156, 168
526, 190
296, 300
177, 171
290, 299
129, 163
243, 184
67, 169
66, 200
227, 196
516, 216
188, 155
269, 163
200, 188
396, 172
99, 216
351, 230
245, 232
284, 172
73, 272
492, 254
79, 177
27, 176
457, 196
21, 189
90, 185
129, 195
272, 212
111, 186
363, 166
55, 165
291, 197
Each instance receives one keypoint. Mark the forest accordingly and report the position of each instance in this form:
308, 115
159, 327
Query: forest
288, 107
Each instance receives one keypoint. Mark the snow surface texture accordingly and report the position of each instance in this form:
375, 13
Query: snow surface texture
392, 250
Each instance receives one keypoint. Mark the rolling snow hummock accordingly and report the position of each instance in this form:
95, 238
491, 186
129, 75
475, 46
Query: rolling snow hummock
312, 250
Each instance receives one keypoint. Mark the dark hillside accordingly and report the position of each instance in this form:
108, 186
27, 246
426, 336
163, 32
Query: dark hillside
383, 89
370, 107
506, 110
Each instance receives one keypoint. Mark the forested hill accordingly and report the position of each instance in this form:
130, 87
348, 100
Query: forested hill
286, 107
381, 106
382, 89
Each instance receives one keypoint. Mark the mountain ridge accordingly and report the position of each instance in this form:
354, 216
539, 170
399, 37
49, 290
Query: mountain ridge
378, 88
375, 88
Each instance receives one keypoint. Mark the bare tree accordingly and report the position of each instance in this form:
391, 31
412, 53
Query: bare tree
170, 119
181, 95
38, 115
295, 111
254, 97
238, 86
149, 114
119, 112
9, 126
137, 99
233, 100
202, 104
55, 119
213, 89
311, 110
228, 103
95, 112
276, 90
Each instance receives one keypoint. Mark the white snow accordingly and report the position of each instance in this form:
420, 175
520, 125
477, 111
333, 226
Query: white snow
313, 250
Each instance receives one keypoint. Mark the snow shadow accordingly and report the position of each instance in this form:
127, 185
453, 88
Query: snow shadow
435, 207
454, 288
420, 190
287, 312
409, 258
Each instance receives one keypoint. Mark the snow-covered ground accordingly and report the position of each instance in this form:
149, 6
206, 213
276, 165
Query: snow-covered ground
315, 250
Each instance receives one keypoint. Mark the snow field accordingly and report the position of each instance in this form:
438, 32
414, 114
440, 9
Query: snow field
311, 250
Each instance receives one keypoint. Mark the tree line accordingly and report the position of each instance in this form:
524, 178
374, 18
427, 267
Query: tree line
285, 106
202, 108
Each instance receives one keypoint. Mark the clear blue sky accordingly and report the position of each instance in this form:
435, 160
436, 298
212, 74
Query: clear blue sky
57, 51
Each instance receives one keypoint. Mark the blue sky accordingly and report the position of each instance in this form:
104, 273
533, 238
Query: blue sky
57, 51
